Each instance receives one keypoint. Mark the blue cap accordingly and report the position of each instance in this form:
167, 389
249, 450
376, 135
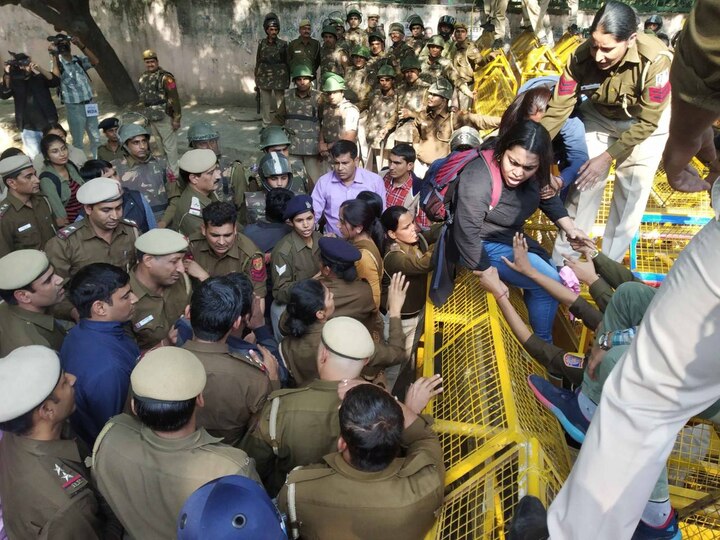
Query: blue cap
230, 507
298, 205
338, 250
109, 123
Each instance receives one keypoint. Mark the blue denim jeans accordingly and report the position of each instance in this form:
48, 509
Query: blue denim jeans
541, 306
31, 142
79, 123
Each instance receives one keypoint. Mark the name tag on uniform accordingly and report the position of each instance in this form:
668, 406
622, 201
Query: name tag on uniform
91, 109
146, 320
586, 87
24, 227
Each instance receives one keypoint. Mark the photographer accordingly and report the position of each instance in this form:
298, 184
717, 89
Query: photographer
29, 84
75, 89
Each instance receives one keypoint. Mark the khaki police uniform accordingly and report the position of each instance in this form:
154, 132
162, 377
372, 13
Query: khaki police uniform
296, 427
25, 225
236, 390
465, 58
353, 299
20, 327
627, 116
272, 75
188, 214
244, 256
300, 353
104, 152
413, 98
292, 261
308, 53
398, 502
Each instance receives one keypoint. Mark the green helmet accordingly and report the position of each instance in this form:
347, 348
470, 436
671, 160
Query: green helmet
361, 50
410, 62
329, 29
386, 71
465, 138
271, 164
397, 27
128, 131
273, 136
301, 70
415, 20
201, 131
333, 84
374, 36
437, 41
441, 88
353, 12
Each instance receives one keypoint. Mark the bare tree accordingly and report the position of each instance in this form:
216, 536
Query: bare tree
74, 17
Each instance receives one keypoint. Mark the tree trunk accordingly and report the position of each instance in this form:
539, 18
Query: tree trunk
74, 17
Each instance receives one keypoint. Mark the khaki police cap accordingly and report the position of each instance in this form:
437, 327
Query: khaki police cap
28, 375
461, 26
99, 190
304, 22
348, 337
168, 374
198, 160
149, 54
21, 268
14, 164
161, 242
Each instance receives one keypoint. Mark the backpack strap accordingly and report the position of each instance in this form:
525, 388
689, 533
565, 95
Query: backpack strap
55, 180
495, 175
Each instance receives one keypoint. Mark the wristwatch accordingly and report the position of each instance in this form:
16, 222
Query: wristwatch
603, 341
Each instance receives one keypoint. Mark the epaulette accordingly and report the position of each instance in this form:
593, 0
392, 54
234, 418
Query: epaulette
67, 232
130, 222
309, 472
257, 364
4, 208
287, 391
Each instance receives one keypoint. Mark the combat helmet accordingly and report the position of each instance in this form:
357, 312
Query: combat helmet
441, 88
465, 138
202, 131
128, 131
301, 70
272, 164
273, 136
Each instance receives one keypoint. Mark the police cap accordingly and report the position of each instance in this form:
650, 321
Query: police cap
299, 204
109, 123
161, 242
461, 26
10, 166
20, 268
338, 250
99, 190
197, 160
149, 54
347, 337
168, 374
28, 375
304, 22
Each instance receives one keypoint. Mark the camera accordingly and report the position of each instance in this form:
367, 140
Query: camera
61, 43
18, 60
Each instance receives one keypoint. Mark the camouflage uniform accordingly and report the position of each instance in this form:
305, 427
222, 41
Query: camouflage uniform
356, 36
233, 183
374, 64
465, 59
358, 82
272, 75
254, 210
397, 52
161, 103
151, 178
416, 44
380, 111
336, 120
333, 60
304, 53
411, 97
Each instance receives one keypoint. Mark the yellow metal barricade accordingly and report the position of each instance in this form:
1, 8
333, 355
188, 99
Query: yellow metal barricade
566, 45
664, 198
540, 62
495, 87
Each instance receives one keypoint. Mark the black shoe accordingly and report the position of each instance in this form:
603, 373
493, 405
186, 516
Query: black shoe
497, 44
529, 521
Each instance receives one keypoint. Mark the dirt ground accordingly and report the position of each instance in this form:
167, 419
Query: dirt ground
239, 127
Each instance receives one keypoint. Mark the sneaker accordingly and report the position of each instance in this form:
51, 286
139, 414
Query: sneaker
671, 531
563, 404
529, 521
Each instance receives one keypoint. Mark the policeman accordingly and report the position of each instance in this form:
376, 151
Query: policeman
498, 27
399, 50
26, 219
271, 68
237, 385
102, 236
161, 106
412, 95
161, 285
362, 488
233, 182
339, 118
358, 79
626, 117
300, 426
143, 172
112, 149
333, 58
218, 249
299, 114
28, 297
353, 296
465, 58
147, 465
304, 50
653, 24
216, 510
383, 104
44, 484
416, 40
436, 67
200, 173
355, 36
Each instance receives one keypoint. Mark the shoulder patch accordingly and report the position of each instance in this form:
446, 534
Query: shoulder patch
69, 479
566, 86
257, 268
67, 232
130, 222
4, 208
248, 360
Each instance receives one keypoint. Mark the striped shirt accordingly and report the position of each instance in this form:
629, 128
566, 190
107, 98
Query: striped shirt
74, 81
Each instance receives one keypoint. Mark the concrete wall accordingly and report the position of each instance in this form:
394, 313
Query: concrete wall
210, 44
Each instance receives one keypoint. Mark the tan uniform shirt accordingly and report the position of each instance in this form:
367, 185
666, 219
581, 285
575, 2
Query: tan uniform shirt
398, 502
306, 428
45, 491
416, 263
104, 152
20, 327
147, 478
235, 392
25, 225
244, 256
619, 93
353, 299
188, 215
155, 315
465, 59
292, 261
304, 53
413, 98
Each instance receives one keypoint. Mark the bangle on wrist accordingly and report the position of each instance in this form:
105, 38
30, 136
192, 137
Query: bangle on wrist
506, 293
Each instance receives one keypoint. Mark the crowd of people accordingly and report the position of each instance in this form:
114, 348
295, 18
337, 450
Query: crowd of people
178, 331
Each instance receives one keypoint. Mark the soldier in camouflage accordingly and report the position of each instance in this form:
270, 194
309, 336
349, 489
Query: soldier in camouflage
272, 75
378, 57
339, 119
333, 59
355, 36
304, 49
160, 104
233, 181
411, 100
357, 78
342, 42
436, 67
417, 40
399, 50
141, 171
383, 104
299, 113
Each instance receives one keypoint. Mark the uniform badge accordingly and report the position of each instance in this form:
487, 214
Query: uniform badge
144, 321
280, 269
566, 86
24, 227
170, 83
71, 481
257, 269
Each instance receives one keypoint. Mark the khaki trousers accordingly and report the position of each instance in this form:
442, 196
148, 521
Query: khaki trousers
669, 374
269, 102
634, 178
166, 140
535, 12
498, 12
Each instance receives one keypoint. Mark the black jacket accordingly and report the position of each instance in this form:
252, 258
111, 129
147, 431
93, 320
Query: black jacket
37, 85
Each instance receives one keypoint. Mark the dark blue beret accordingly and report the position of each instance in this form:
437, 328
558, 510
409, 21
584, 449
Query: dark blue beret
339, 250
297, 205
109, 123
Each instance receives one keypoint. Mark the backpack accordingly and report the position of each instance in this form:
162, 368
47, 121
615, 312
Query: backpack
438, 189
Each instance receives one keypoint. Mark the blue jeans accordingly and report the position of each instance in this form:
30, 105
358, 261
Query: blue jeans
31, 142
541, 306
79, 123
